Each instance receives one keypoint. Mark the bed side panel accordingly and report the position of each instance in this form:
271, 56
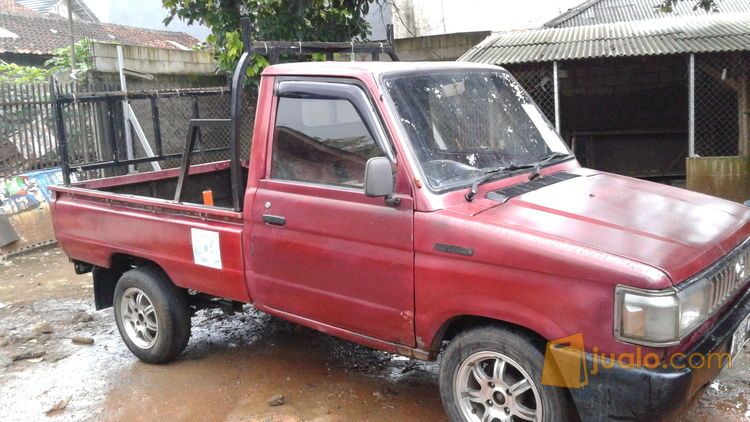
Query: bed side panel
93, 231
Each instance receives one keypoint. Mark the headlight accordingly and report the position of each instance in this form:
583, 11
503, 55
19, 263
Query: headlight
695, 301
660, 317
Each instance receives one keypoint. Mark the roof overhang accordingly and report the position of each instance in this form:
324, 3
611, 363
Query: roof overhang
699, 34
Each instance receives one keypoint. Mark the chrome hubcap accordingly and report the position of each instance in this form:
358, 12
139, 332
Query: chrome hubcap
491, 387
138, 317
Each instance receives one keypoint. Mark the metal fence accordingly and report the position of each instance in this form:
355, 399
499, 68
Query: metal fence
716, 105
539, 81
94, 126
27, 139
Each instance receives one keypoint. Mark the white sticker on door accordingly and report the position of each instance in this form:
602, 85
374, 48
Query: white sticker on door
206, 248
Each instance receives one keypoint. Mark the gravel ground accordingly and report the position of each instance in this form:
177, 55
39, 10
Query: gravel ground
246, 367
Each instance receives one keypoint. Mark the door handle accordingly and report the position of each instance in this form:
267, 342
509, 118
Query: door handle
274, 220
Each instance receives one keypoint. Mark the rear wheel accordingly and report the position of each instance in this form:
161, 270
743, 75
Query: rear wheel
491, 374
152, 315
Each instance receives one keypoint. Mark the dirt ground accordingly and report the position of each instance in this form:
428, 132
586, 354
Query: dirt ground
230, 370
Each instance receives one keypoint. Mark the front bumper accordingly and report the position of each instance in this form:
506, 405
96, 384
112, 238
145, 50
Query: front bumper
639, 394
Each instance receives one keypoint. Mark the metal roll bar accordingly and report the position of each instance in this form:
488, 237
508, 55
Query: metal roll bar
272, 49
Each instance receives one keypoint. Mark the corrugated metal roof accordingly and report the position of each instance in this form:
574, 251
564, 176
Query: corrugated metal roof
700, 34
595, 12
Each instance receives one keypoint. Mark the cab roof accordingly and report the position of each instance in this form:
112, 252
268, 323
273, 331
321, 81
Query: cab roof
333, 68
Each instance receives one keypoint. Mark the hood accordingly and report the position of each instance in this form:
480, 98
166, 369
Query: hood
675, 230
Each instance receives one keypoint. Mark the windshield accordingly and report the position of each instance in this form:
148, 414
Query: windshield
462, 123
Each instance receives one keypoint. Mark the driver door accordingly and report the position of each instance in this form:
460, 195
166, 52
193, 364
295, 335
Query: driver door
321, 249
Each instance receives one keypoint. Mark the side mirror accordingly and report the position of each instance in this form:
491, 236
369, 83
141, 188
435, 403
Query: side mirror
379, 179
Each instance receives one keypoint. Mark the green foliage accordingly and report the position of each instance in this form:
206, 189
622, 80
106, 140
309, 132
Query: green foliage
286, 20
708, 5
60, 61
13, 73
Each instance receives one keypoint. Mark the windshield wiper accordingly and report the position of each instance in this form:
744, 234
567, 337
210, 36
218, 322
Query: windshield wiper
489, 174
546, 159
492, 172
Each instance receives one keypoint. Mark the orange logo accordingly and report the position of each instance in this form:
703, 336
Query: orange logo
565, 363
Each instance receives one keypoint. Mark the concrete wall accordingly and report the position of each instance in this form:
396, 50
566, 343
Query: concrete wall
445, 47
153, 60
438, 47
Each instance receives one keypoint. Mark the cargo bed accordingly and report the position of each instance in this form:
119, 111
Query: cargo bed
100, 220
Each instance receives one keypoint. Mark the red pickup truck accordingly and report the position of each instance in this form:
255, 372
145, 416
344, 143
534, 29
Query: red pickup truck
429, 210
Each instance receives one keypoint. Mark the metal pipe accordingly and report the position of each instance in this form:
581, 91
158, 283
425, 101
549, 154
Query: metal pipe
238, 83
390, 37
125, 115
62, 140
141, 94
557, 95
185, 167
295, 47
157, 125
112, 132
691, 106
104, 164
197, 115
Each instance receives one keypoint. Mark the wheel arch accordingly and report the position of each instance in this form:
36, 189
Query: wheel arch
461, 323
105, 279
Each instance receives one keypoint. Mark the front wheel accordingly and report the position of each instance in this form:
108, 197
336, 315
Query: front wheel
491, 374
152, 315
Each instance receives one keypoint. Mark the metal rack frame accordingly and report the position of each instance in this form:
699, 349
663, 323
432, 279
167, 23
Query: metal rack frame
272, 49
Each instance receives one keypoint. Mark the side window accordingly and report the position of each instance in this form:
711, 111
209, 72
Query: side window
321, 141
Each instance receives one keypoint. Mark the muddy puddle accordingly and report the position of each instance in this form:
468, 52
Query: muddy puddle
231, 369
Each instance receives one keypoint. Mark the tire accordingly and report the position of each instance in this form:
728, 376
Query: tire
481, 349
155, 333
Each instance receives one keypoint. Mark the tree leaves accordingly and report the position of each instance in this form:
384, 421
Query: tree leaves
287, 20
667, 6
11, 72
60, 61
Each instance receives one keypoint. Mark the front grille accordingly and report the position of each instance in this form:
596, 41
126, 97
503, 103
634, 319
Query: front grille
729, 275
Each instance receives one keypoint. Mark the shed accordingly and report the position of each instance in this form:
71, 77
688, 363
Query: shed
636, 92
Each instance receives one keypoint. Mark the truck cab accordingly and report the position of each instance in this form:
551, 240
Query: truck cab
431, 210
